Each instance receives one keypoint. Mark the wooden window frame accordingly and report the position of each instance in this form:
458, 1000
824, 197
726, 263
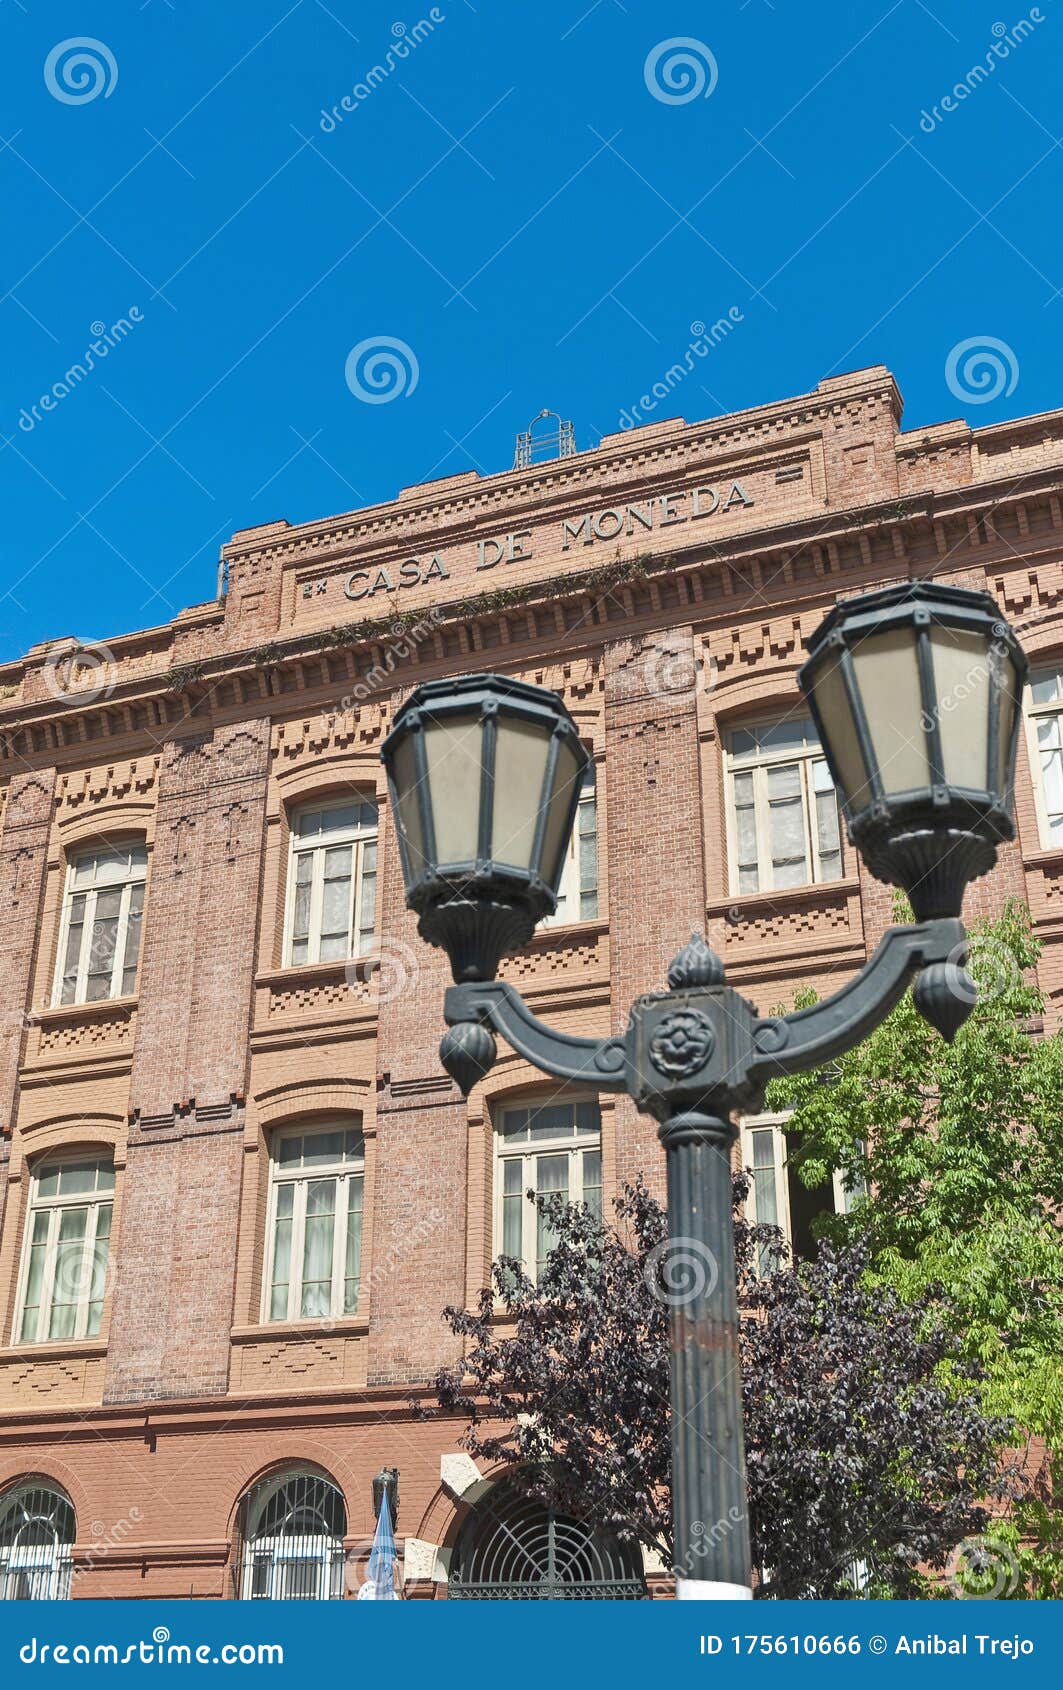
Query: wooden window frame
571, 891
757, 763
573, 1144
136, 876
1032, 714
357, 836
345, 1172
95, 1201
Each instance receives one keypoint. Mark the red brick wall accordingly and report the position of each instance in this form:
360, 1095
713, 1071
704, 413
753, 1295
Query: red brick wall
172, 1309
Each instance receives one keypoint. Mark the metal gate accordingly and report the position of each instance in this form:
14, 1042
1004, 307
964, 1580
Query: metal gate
513, 1548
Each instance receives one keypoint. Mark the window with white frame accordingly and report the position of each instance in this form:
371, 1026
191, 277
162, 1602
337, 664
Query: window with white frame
64, 1265
314, 1260
782, 811
1044, 718
37, 1530
331, 911
544, 1148
776, 1195
577, 893
99, 941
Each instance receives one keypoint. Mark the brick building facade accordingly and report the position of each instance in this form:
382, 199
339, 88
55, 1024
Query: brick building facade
178, 1075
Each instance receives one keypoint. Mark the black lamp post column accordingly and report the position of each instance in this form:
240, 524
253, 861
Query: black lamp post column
710, 1510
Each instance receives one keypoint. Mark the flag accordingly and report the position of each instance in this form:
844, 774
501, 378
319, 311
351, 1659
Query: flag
379, 1584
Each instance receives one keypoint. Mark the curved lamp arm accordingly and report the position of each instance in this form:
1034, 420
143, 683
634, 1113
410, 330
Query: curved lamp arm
806, 1038
598, 1062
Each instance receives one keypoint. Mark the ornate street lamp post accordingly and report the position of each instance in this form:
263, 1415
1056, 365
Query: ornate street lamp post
915, 692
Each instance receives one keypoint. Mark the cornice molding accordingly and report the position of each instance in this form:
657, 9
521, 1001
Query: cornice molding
308, 669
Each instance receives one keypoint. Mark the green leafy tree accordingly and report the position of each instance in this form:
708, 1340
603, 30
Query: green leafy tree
960, 1149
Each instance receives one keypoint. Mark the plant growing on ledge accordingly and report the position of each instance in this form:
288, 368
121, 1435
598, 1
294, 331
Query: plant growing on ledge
866, 1440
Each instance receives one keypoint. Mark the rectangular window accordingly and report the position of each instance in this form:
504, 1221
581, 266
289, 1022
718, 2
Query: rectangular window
314, 1261
783, 825
544, 1148
577, 894
331, 911
99, 939
1044, 723
64, 1267
776, 1195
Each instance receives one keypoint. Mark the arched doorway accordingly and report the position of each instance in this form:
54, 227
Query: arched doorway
513, 1547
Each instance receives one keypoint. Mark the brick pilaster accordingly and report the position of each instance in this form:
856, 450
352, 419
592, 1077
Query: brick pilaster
23, 857
419, 1221
170, 1329
656, 858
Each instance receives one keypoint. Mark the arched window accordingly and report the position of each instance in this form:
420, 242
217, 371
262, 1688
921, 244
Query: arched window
293, 1526
36, 1543
103, 907
331, 907
64, 1260
513, 1547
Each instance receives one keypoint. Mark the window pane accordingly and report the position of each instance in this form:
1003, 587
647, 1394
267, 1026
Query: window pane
551, 1175
765, 1194
104, 940
512, 1206
282, 1253
134, 922
588, 1117
320, 1150
97, 1273
367, 906
75, 936
554, 1120
70, 1284
353, 1261
319, 1229
784, 781
1045, 688
515, 1123
779, 736
592, 1181
74, 1178
587, 845
1052, 780
35, 1277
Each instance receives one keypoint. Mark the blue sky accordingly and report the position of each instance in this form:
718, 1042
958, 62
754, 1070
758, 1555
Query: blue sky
515, 203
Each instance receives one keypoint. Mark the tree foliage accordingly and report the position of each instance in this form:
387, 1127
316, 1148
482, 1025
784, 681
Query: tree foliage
866, 1439
960, 1148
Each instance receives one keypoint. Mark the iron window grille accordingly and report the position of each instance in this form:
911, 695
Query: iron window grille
36, 1544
